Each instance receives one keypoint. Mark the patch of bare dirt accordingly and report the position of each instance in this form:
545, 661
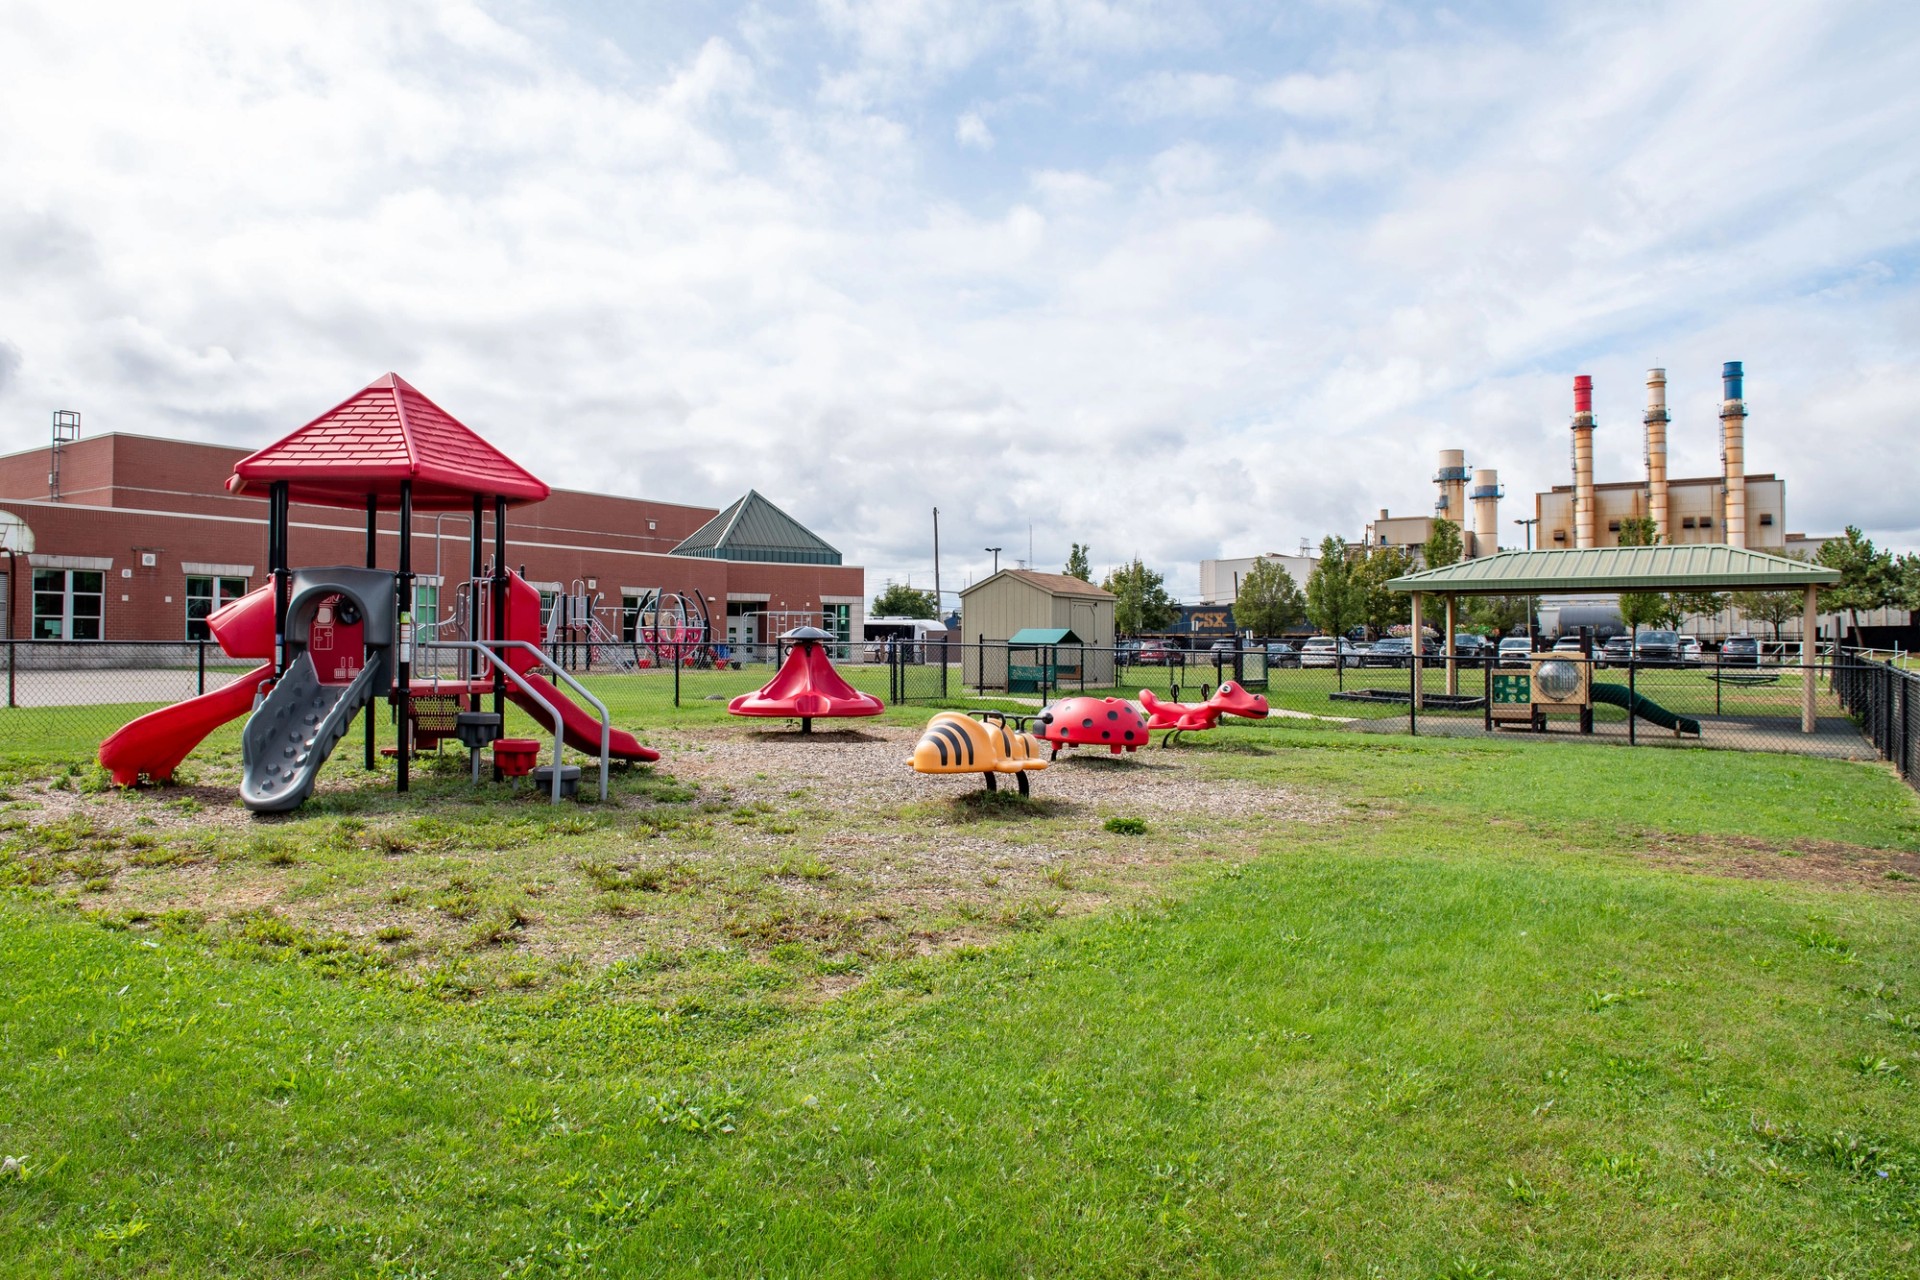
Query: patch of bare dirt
1823, 862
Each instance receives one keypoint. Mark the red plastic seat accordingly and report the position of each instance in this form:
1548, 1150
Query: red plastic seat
515, 757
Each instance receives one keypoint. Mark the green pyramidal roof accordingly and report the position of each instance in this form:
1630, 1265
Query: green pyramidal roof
754, 529
1693, 567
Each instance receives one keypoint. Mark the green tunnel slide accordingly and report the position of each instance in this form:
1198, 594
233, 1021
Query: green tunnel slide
1619, 695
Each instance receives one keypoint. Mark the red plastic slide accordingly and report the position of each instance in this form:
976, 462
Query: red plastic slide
579, 727
158, 741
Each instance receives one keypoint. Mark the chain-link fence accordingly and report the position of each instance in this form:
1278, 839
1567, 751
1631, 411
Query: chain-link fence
64, 697
1880, 695
1756, 704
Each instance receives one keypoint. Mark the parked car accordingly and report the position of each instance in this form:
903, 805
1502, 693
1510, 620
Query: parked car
1657, 648
1516, 651
1616, 652
1325, 651
1282, 654
1157, 653
1468, 645
1394, 651
1567, 644
1740, 651
1690, 651
1224, 646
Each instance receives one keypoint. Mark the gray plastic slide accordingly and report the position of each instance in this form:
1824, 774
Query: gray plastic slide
294, 732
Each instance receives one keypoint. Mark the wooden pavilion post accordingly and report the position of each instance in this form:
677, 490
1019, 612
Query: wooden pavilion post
403, 683
1419, 667
1809, 618
1453, 666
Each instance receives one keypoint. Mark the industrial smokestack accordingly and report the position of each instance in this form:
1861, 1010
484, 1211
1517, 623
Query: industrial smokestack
1451, 504
1583, 461
1486, 512
1657, 451
1733, 450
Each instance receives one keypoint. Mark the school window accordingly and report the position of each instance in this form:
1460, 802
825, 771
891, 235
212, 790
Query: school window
204, 595
68, 603
629, 618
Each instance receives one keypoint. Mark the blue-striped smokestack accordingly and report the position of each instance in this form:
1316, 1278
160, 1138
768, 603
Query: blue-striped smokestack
1733, 454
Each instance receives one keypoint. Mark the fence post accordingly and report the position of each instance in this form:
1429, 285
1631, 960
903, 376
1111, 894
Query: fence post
1486, 692
677, 654
1633, 695
12, 644
201, 668
1413, 679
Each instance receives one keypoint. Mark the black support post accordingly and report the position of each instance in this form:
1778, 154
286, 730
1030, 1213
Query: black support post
277, 505
473, 589
373, 562
403, 683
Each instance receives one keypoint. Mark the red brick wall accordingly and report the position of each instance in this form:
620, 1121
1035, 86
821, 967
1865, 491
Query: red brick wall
166, 498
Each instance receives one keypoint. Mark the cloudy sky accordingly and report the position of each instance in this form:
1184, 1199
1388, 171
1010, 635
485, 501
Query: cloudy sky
1173, 279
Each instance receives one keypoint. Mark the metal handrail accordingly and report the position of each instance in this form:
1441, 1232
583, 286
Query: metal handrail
494, 660
566, 678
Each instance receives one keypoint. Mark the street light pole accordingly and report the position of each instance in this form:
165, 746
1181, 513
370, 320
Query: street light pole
996, 558
1529, 527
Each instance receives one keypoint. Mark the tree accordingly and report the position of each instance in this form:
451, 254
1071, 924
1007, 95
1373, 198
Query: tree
1443, 546
1077, 565
902, 601
1379, 608
1697, 604
1269, 601
1142, 603
1771, 607
1868, 576
1906, 591
1641, 610
1333, 603
1639, 531
1505, 614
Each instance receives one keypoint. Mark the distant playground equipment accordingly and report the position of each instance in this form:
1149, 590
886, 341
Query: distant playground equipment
807, 687
1563, 684
1193, 717
341, 637
576, 635
1113, 723
674, 629
954, 742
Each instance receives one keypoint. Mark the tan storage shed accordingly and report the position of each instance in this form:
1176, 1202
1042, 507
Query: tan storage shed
1013, 600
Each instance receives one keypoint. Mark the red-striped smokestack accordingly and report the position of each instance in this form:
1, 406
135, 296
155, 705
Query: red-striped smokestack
1583, 461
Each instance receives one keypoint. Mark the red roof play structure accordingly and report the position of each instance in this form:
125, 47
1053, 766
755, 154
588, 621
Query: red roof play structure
371, 441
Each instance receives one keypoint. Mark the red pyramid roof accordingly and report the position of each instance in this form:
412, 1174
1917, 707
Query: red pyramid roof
378, 437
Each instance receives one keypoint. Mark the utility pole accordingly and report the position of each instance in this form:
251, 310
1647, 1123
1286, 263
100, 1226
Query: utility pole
996, 558
938, 608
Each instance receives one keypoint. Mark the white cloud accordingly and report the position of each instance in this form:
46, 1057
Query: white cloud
970, 130
1180, 93
722, 266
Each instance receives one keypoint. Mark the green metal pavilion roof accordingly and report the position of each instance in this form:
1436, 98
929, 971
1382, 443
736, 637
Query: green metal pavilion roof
1043, 636
1696, 567
754, 529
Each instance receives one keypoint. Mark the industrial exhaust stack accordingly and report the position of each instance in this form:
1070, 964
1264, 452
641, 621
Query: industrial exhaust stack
1486, 512
1452, 479
1583, 461
1733, 451
1657, 451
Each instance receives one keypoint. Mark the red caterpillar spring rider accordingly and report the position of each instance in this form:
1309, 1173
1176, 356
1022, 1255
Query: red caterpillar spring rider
1192, 717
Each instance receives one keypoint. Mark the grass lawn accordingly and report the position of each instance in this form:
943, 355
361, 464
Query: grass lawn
1349, 1005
